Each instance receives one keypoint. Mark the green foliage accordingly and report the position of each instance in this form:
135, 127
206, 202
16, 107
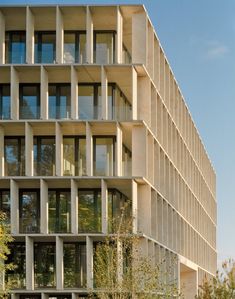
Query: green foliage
222, 286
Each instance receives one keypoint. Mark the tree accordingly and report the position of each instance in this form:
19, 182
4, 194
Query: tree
222, 286
5, 239
122, 269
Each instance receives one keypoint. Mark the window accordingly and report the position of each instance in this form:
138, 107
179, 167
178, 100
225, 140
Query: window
29, 296
29, 211
45, 47
5, 101
59, 210
59, 100
15, 46
89, 211
126, 161
104, 155
122, 106
44, 265
126, 56
74, 265
104, 47
74, 46
14, 154
16, 277
5, 203
29, 101
44, 155
74, 155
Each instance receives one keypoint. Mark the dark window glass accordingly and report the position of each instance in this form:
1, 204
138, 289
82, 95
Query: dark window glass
29, 211
29, 296
64, 296
59, 210
5, 101
89, 211
89, 101
104, 47
14, 154
44, 156
44, 265
45, 47
74, 47
74, 156
29, 101
5, 203
74, 265
104, 155
59, 100
16, 277
15, 47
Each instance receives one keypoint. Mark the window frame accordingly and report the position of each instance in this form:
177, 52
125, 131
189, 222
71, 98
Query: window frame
39, 34
77, 42
95, 32
8, 53
2, 85
21, 86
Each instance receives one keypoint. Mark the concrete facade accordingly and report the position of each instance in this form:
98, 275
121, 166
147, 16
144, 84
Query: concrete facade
156, 158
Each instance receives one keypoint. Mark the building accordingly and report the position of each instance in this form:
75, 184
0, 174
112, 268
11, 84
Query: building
91, 115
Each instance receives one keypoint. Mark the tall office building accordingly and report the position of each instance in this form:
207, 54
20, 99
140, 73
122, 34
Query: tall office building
92, 117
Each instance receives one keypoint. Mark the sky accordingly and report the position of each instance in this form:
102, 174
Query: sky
198, 37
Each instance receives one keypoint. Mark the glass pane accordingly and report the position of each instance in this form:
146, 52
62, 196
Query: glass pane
52, 101
69, 47
89, 211
104, 156
45, 47
104, 45
81, 157
44, 156
86, 109
74, 265
110, 103
126, 161
29, 99
44, 265
69, 156
5, 102
64, 102
82, 48
14, 152
5, 204
59, 211
16, 277
15, 47
29, 210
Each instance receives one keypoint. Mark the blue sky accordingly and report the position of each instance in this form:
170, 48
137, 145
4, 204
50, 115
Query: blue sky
199, 40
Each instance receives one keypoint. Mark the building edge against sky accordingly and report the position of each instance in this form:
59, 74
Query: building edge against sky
91, 116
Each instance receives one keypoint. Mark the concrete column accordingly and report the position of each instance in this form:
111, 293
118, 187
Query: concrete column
89, 260
144, 209
89, 150
139, 151
74, 93
14, 94
29, 264
89, 36
119, 35
44, 93
59, 150
144, 99
134, 94
14, 193
104, 93
59, 264
2, 38
74, 207
139, 38
104, 198
29, 36
44, 296
2, 151
59, 36
150, 48
44, 206
28, 149
118, 150
134, 206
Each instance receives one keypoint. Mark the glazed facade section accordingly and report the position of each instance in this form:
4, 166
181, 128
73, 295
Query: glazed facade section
92, 119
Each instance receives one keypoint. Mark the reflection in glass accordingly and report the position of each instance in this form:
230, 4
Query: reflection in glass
59, 210
74, 47
15, 46
5, 204
123, 109
5, 101
16, 277
74, 156
59, 100
45, 47
29, 101
74, 265
44, 155
89, 211
14, 156
29, 211
126, 161
104, 45
104, 155
44, 265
